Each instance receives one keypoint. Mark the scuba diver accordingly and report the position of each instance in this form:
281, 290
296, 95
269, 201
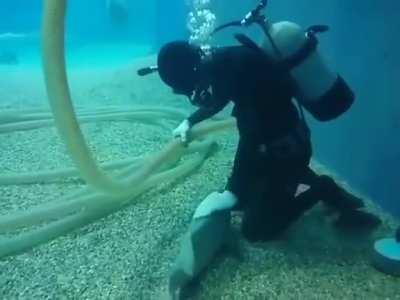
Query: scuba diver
274, 148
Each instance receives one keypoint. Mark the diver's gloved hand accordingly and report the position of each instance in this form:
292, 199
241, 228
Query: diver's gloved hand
182, 130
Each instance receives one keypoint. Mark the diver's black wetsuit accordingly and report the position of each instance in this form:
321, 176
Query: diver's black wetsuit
274, 148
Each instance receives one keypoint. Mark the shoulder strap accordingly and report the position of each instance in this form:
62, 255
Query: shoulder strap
307, 49
250, 44
296, 59
247, 42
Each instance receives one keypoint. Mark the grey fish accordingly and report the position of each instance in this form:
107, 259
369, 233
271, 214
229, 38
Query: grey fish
206, 236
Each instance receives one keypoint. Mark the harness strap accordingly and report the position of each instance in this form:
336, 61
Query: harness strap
306, 50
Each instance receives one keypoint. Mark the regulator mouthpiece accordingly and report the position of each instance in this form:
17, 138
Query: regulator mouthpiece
147, 71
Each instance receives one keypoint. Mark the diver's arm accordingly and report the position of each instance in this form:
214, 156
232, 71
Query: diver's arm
199, 115
204, 113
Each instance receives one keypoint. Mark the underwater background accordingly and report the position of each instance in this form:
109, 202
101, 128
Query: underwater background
362, 148
362, 45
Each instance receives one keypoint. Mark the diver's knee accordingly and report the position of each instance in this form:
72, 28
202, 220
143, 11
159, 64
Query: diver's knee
254, 235
260, 230
250, 233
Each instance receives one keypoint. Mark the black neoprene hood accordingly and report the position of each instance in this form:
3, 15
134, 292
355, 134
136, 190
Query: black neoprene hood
178, 62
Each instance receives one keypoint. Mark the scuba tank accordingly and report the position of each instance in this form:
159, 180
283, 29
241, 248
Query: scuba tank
320, 90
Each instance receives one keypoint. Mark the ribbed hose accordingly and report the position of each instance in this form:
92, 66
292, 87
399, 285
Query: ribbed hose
60, 99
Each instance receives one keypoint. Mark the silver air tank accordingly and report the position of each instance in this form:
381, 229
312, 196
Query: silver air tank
320, 90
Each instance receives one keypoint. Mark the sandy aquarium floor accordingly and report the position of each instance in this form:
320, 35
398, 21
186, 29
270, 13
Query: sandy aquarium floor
127, 255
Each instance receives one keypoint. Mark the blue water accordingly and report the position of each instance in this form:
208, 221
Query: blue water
92, 39
363, 45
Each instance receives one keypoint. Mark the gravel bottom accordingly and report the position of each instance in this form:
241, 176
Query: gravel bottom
127, 255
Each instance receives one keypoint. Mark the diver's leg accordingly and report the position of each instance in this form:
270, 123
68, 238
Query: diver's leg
247, 184
258, 222
332, 194
244, 173
349, 206
274, 207
263, 221
273, 210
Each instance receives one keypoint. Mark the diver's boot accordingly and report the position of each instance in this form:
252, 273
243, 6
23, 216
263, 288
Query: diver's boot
357, 220
351, 217
336, 196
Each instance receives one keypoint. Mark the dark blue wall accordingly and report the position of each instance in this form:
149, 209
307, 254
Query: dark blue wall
363, 45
